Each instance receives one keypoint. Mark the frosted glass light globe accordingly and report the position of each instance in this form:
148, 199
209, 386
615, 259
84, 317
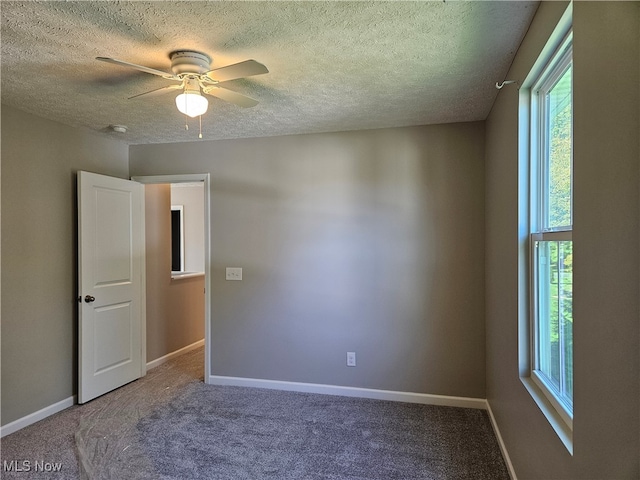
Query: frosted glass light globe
192, 103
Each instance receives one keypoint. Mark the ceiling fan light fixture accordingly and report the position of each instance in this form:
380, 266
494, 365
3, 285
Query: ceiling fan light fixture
191, 103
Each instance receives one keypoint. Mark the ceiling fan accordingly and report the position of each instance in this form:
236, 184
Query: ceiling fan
192, 70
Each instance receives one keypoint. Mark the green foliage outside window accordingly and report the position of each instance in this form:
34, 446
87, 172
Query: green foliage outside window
556, 256
559, 313
559, 154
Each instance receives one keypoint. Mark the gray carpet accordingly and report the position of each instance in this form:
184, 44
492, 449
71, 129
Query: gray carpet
244, 433
170, 425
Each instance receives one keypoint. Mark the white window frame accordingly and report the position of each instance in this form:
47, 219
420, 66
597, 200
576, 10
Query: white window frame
565, 410
539, 221
539, 174
533, 226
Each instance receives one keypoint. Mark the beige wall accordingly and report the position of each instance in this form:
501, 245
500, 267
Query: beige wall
40, 159
175, 308
365, 241
606, 232
606, 217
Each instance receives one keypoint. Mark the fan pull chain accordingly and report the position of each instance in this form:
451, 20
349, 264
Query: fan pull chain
186, 124
200, 117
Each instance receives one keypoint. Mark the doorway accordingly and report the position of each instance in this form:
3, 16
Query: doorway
202, 179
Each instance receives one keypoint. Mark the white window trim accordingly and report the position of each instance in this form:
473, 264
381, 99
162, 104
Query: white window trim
556, 65
558, 406
540, 380
560, 59
557, 416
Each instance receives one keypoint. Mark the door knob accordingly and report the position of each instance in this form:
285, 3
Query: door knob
89, 298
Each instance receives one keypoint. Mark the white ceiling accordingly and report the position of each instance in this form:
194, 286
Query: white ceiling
333, 65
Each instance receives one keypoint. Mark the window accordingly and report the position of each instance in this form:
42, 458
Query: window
177, 238
546, 134
551, 220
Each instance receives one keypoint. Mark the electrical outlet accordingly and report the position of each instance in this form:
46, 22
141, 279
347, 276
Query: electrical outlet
234, 273
351, 359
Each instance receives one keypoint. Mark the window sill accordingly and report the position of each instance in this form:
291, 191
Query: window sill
555, 419
181, 275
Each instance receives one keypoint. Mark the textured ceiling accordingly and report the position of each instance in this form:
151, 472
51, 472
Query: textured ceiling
333, 65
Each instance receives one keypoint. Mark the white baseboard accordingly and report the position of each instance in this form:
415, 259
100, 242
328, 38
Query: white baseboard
410, 397
503, 447
68, 402
36, 416
177, 353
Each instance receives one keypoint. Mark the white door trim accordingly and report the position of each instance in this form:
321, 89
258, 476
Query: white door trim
186, 178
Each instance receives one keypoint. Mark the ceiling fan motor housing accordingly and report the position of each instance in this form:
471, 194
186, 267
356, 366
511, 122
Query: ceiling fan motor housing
188, 61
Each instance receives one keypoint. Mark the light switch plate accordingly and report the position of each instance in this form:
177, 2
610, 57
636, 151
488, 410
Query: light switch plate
234, 273
351, 359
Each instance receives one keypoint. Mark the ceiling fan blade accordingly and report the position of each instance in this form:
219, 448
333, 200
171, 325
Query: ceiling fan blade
158, 91
230, 96
152, 71
237, 70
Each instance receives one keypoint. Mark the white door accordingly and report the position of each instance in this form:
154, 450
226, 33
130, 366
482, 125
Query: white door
110, 282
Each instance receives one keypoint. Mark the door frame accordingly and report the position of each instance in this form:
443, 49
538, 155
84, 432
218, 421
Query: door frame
190, 178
